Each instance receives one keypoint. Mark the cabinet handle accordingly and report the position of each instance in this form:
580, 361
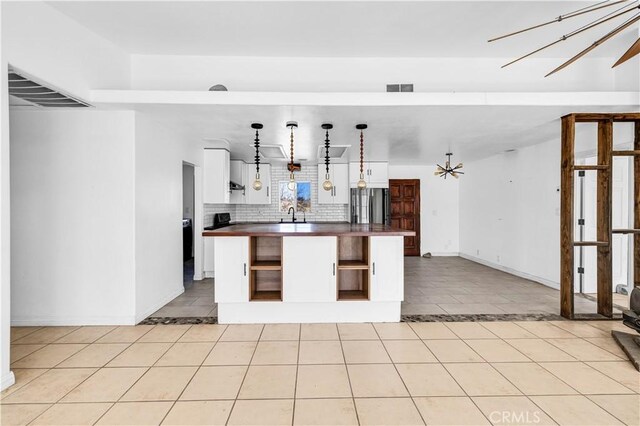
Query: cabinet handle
334, 269
334, 191
267, 192
374, 268
245, 269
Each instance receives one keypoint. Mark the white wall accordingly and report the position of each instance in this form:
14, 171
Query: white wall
509, 212
72, 210
439, 221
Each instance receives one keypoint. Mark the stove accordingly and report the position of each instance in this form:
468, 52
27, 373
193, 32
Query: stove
220, 220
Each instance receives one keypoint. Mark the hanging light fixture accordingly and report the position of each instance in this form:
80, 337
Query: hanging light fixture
362, 184
327, 185
257, 184
292, 179
447, 169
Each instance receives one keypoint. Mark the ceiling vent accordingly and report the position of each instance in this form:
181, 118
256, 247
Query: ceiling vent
30, 93
399, 87
272, 152
336, 152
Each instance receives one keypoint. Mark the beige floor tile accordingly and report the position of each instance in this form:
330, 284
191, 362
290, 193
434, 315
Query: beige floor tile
321, 352
450, 411
512, 410
539, 350
507, 330
20, 414
364, 352
402, 351
322, 381
20, 332
580, 329
375, 380
388, 411
185, 354
432, 330
262, 412
545, 330
281, 332
428, 380
242, 333
140, 355
269, 381
20, 351
583, 350
231, 353
574, 410
532, 379
395, 331
45, 335
125, 334
357, 332
106, 385
203, 333
135, 413
160, 384
319, 332
50, 386
608, 344
87, 334
625, 408
48, 357
481, 380
324, 412
23, 376
219, 382
452, 351
270, 353
164, 334
470, 330
496, 350
72, 414
620, 371
199, 413
608, 326
584, 379
94, 355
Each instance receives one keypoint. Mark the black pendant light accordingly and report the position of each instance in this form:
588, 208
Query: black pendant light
257, 184
292, 179
362, 184
327, 185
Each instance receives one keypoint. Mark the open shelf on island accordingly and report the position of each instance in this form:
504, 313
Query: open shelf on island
353, 268
265, 280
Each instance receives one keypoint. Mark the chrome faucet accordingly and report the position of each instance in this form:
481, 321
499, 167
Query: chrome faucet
292, 210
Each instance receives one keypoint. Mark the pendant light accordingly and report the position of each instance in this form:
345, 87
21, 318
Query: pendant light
257, 184
362, 184
292, 179
447, 169
327, 185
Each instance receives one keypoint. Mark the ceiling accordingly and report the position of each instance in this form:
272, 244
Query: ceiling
339, 28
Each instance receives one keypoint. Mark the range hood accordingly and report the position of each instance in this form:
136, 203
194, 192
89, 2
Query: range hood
233, 186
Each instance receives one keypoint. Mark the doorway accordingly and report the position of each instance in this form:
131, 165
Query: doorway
188, 207
405, 211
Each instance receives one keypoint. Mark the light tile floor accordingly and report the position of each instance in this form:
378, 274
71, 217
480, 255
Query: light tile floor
568, 373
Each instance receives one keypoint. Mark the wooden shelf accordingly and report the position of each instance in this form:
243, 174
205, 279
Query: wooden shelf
590, 243
266, 265
590, 167
352, 295
353, 264
265, 280
266, 296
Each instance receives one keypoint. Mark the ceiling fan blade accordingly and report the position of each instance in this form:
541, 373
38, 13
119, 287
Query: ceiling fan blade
633, 51
597, 43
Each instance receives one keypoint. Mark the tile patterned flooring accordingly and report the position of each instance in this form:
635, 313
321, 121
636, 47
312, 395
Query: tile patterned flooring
567, 373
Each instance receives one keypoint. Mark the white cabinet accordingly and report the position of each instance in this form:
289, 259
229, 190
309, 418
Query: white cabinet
232, 269
264, 195
209, 261
339, 194
237, 176
309, 269
216, 176
386, 266
376, 174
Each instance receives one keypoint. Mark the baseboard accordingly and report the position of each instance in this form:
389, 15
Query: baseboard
209, 274
163, 301
511, 271
198, 277
68, 321
445, 254
7, 380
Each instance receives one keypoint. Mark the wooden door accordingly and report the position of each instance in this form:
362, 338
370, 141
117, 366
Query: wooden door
405, 211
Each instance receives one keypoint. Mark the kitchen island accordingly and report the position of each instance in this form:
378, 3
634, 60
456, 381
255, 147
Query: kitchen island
304, 272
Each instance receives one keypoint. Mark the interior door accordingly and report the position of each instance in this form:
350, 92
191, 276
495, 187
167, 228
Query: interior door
405, 211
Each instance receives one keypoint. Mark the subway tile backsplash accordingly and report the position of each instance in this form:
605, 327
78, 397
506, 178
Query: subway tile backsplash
271, 212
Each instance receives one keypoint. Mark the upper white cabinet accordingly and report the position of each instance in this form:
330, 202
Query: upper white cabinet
237, 176
376, 174
264, 195
216, 175
386, 268
339, 194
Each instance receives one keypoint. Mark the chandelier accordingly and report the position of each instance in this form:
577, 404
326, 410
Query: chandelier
447, 169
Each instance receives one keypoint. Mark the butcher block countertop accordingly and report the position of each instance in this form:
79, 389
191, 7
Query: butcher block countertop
306, 229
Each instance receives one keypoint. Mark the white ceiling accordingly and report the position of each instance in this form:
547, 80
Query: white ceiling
338, 28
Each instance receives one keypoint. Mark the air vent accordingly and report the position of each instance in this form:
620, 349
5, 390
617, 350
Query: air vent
335, 151
273, 152
399, 87
31, 93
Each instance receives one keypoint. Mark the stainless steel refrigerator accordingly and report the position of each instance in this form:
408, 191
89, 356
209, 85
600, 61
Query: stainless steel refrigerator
370, 205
